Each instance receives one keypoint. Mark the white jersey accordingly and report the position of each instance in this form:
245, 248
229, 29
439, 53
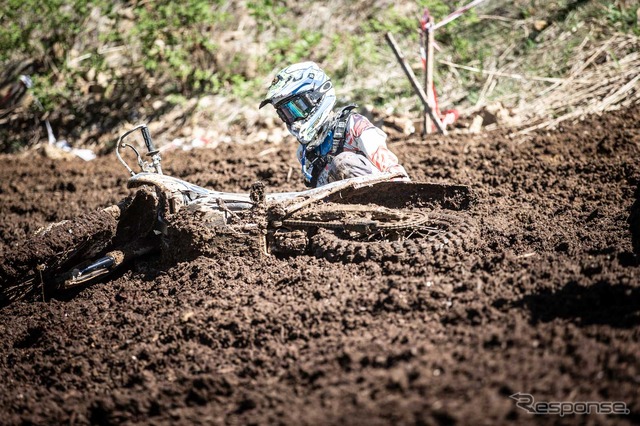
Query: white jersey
364, 138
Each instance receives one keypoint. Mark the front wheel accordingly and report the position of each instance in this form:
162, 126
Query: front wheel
52, 250
75, 251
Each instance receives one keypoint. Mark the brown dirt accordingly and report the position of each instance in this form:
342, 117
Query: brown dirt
548, 302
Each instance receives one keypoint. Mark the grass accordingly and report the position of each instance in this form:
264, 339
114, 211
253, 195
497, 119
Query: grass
203, 47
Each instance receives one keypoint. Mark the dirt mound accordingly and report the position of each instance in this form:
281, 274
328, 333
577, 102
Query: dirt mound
546, 302
192, 234
25, 268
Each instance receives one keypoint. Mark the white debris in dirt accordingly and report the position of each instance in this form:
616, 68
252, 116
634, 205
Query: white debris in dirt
187, 316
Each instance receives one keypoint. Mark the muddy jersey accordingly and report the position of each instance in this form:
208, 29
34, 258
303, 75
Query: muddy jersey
362, 137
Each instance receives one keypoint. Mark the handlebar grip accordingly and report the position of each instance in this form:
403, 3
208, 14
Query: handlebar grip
148, 141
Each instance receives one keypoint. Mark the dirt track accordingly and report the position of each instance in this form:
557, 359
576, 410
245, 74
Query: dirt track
549, 304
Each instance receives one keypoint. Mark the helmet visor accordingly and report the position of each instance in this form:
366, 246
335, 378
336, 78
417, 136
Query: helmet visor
296, 108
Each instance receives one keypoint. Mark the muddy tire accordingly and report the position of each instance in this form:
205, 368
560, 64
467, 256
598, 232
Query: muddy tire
438, 239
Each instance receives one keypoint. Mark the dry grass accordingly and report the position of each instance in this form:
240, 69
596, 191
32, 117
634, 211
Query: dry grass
604, 77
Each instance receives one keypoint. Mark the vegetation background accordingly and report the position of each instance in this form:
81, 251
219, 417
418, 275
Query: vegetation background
200, 67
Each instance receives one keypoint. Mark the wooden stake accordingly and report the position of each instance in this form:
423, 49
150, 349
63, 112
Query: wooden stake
414, 82
428, 79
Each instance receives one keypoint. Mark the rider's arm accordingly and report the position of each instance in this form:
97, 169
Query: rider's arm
372, 142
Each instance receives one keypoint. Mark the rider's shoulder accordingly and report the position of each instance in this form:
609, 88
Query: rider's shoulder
358, 123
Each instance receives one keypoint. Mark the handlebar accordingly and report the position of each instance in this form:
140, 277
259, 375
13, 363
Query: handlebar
151, 151
147, 140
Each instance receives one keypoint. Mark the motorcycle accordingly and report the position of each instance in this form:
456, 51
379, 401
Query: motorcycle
379, 217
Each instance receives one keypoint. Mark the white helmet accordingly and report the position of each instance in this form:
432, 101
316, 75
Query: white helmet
303, 97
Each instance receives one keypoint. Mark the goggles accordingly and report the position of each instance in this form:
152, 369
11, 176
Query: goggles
296, 108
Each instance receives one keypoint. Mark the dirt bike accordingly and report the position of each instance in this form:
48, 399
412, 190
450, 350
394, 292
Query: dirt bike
378, 217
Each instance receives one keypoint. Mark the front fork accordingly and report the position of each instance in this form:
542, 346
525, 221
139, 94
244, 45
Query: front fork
108, 263
140, 219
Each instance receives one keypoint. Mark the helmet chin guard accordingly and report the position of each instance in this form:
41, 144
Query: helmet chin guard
312, 130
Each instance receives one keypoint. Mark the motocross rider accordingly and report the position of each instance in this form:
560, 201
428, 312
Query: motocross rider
334, 144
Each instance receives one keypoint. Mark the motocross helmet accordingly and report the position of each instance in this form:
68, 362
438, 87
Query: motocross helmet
303, 97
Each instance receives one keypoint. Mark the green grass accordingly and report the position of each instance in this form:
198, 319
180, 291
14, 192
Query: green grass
184, 47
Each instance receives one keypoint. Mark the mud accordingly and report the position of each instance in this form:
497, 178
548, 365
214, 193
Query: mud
547, 302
